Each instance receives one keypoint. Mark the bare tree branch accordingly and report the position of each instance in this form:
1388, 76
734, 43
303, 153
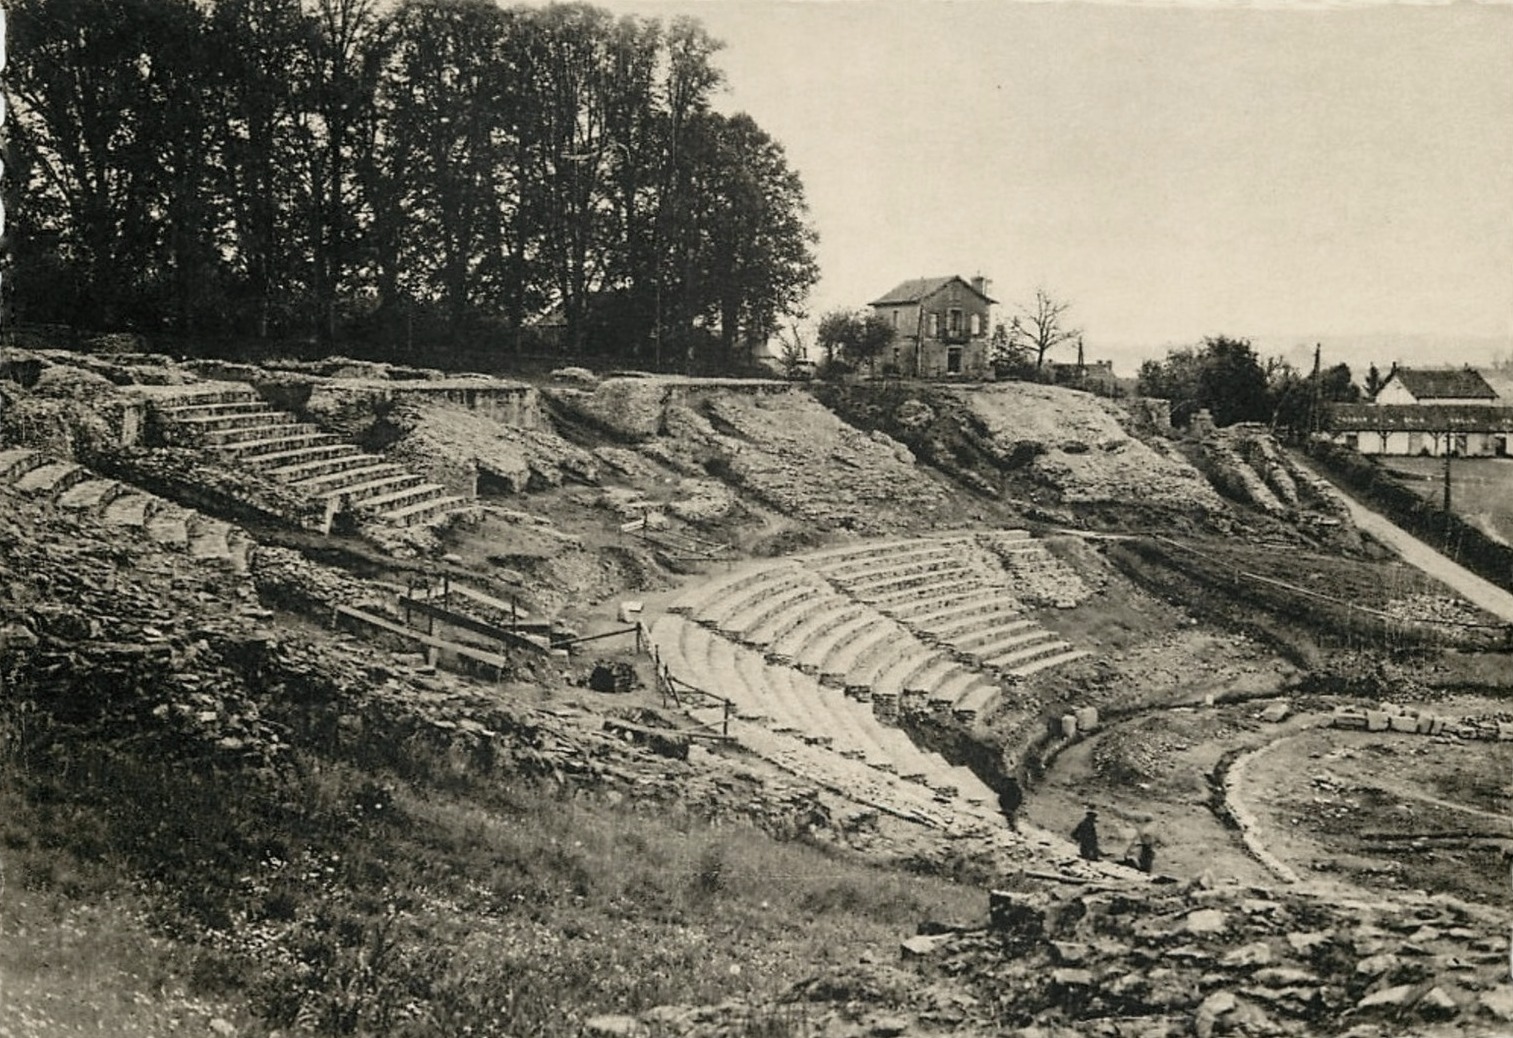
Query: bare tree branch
1038, 328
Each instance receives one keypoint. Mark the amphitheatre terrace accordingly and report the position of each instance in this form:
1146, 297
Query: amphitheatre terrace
868, 619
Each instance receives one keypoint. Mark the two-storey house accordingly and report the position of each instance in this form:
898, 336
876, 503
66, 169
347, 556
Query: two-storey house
940, 327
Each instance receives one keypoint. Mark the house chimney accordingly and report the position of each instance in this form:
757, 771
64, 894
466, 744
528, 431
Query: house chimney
980, 285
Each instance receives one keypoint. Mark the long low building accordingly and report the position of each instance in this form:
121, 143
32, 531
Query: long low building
1466, 430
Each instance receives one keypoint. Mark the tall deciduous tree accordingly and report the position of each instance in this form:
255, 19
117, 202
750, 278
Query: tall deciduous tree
107, 98
258, 48
753, 259
1039, 327
345, 43
447, 106
317, 166
854, 338
1224, 375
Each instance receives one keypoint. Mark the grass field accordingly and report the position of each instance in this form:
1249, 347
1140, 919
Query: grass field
1481, 489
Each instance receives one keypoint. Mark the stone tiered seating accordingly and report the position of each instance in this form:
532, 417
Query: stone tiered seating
233, 422
812, 655
72, 488
783, 631
715, 591
936, 588
737, 604
903, 624
816, 732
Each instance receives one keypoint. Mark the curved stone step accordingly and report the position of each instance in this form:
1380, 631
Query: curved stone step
877, 568
318, 477
52, 479
132, 508
935, 571
964, 613
992, 644
16, 462
92, 495
182, 412
381, 489
789, 638
1028, 654
975, 702
749, 594
207, 538
810, 656
845, 656
908, 596
169, 526
892, 652
755, 615
422, 511
1024, 670
251, 450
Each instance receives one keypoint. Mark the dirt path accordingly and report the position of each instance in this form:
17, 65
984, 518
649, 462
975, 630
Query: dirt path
1416, 553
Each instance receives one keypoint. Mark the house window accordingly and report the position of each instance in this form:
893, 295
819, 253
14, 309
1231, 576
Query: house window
934, 326
895, 318
976, 325
953, 319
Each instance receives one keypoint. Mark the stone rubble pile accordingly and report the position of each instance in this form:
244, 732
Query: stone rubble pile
776, 444
807, 463
1246, 462
1408, 720
449, 442
1080, 450
1115, 963
1437, 609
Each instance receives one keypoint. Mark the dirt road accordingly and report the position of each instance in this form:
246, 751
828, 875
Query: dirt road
1416, 553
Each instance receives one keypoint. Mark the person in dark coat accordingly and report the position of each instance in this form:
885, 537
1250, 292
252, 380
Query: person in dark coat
1086, 835
1010, 797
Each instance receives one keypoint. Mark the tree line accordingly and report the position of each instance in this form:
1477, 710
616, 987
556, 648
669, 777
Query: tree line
438, 171
1227, 378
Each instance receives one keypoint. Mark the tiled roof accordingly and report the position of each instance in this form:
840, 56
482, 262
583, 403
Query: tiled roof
1444, 383
1441, 418
1501, 381
922, 288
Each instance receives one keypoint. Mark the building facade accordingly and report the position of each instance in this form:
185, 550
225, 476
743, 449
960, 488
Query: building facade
1428, 411
941, 328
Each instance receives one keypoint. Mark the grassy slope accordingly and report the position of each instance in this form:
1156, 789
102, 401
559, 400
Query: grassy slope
347, 904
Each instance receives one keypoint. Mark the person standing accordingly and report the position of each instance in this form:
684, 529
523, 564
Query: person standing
1086, 835
1010, 797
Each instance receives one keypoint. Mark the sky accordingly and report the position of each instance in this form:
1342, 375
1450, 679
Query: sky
1288, 175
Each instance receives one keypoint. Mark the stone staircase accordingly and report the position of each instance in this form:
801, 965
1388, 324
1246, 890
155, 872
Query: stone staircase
235, 424
72, 488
